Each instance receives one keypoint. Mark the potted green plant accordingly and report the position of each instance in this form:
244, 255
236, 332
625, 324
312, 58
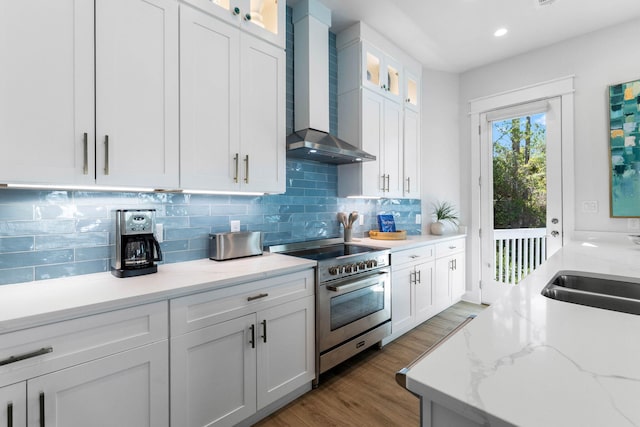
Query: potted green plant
443, 212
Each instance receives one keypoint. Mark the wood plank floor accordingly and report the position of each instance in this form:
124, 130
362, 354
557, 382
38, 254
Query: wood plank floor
362, 391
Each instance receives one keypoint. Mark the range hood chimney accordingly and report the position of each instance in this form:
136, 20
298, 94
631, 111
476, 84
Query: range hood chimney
311, 139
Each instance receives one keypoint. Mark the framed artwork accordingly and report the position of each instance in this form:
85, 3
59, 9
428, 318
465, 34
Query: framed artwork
624, 148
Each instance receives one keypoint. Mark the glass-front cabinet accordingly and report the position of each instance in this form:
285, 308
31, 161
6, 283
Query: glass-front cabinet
381, 73
263, 18
412, 90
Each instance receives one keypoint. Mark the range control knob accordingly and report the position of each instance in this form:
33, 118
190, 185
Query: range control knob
348, 268
362, 265
333, 271
372, 263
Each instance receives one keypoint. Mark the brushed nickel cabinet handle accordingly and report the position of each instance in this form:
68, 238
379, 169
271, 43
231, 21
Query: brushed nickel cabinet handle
85, 142
13, 359
42, 409
246, 169
383, 182
409, 185
235, 159
106, 154
264, 330
255, 297
10, 415
388, 182
419, 276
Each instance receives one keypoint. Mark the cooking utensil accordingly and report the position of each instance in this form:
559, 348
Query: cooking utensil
342, 218
353, 216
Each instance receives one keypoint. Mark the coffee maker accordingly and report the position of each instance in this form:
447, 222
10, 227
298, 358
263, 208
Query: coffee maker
135, 248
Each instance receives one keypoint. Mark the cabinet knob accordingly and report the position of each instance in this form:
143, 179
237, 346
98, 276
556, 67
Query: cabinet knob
247, 17
236, 11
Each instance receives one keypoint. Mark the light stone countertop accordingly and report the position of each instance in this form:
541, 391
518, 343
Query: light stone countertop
528, 360
408, 243
30, 304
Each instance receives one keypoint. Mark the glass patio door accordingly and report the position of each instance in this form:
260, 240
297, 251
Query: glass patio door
521, 192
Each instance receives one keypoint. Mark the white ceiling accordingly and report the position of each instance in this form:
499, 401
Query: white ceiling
457, 35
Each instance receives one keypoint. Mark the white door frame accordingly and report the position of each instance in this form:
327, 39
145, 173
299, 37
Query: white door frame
563, 88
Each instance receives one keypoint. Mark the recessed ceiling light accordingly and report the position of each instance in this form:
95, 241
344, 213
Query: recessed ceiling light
500, 32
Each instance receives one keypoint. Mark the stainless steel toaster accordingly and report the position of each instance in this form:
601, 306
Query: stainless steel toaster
224, 246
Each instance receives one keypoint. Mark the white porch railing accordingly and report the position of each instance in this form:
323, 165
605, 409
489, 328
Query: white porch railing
518, 252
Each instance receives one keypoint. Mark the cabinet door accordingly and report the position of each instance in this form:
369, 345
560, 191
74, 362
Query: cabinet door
411, 154
125, 389
393, 75
424, 307
402, 312
209, 103
458, 279
262, 118
412, 88
13, 405
373, 177
441, 289
213, 374
137, 93
266, 19
393, 145
373, 75
46, 87
286, 342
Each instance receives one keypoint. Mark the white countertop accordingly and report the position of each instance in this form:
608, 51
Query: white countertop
29, 304
528, 360
409, 242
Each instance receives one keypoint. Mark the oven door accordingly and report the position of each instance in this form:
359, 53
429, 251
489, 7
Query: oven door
349, 307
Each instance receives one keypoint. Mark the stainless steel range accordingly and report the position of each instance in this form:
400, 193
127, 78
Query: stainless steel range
353, 297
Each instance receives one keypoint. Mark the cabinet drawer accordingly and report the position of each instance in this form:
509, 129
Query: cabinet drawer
62, 344
419, 254
208, 308
450, 247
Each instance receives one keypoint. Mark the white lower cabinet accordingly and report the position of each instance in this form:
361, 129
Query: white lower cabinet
450, 273
13, 405
126, 389
101, 370
411, 288
257, 349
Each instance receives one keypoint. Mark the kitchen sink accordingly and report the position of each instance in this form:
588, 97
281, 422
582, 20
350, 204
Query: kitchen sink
610, 293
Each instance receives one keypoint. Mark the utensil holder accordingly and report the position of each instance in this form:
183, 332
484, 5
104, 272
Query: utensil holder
347, 234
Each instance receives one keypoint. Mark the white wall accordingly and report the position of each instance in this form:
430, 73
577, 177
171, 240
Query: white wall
440, 173
597, 60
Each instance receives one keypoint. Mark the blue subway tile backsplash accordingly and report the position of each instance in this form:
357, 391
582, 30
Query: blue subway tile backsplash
78, 240
50, 234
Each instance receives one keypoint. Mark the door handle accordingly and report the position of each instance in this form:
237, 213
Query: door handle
388, 182
42, 409
13, 359
246, 169
106, 154
235, 159
409, 185
252, 328
85, 142
383, 182
264, 330
10, 415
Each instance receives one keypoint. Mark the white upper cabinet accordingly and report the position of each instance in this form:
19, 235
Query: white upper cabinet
232, 133
411, 184
380, 72
262, 18
137, 93
378, 104
50, 96
46, 92
412, 88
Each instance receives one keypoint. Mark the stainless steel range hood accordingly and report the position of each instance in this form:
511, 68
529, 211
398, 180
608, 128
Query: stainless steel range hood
311, 139
312, 144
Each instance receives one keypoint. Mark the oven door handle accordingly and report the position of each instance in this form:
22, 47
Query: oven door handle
356, 285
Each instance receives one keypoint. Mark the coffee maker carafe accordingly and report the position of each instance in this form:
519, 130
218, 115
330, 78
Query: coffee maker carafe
136, 249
